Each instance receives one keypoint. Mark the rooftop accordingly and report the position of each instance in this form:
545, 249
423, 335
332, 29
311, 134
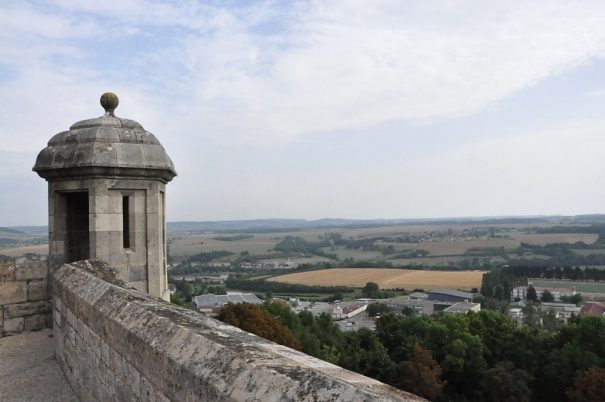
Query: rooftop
452, 292
461, 307
211, 300
106, 142
592, 308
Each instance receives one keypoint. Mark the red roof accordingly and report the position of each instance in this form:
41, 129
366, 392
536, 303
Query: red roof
350, 308
591, 308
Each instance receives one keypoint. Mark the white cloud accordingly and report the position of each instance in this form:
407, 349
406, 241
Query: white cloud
348, 65
198, 74
266, 72
557, 170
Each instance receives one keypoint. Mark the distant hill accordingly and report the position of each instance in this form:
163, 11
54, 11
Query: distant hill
28, 229
9, 230
260, 225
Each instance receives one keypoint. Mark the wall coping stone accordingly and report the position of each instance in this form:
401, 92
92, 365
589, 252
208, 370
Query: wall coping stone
187, 356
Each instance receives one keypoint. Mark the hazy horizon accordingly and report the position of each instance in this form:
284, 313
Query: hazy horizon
368, 220
313, 109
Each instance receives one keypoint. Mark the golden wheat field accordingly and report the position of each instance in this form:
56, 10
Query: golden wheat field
386, 278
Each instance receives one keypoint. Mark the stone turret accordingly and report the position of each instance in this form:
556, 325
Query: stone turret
106, 197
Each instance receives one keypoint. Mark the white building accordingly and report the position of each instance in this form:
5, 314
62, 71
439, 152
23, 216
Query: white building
521, 292
348, 311
463, 308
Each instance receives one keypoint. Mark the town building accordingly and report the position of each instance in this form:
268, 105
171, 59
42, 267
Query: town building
419, 295
563, 311
418, 306
210, 303
463, 308
593, 308
520, 292
449, 295
350, 310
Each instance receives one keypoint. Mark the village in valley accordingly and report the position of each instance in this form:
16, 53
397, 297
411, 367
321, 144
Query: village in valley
412, 278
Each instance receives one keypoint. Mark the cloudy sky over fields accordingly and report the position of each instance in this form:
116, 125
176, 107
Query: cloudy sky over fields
313, 109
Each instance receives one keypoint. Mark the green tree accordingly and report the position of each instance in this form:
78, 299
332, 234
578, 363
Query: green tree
176, 299
531, 294
371, 290
504, 383
531, 316
185, 290
362, 352
217, 290
550, 322
559, 370
547, 297
576, 299
375, 309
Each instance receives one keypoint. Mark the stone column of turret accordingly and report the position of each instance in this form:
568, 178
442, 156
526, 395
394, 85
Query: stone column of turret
106, 197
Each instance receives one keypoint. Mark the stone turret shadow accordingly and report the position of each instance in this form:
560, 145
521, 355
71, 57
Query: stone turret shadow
106, 197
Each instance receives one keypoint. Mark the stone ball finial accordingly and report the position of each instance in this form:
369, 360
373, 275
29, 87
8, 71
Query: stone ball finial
110, 102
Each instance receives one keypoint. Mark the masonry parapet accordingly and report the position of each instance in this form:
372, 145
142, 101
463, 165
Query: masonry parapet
115, 342
24, 294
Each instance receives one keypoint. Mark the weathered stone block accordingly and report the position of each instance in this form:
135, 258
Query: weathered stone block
13, 292
95, 344
117, 364
161, 398
80, 327
7, 270
13, 325
105, 352
36, 322
23, 309
147, 391
70, 334
99, 203
137, 273
71, 318
69, 355
124, 392
58, 319
153, 204
37, 290
109, 379
26, 268
133, 378
59, 340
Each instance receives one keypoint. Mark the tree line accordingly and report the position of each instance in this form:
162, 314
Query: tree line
481, 356
549, 272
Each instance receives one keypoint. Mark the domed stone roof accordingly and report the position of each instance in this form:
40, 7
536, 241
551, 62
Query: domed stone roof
105, 146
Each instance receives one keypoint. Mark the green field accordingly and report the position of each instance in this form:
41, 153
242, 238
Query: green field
581, 287
469, 245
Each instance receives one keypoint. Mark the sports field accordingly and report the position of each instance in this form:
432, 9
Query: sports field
581, 287
386, 278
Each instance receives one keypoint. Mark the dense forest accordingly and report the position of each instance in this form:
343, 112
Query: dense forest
483, 356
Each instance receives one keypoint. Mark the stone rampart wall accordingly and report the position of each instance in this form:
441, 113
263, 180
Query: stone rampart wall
24, 294
116, 343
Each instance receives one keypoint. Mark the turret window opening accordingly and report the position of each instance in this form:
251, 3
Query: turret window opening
125, 221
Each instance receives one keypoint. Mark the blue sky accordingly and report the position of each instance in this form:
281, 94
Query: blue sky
313, 109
